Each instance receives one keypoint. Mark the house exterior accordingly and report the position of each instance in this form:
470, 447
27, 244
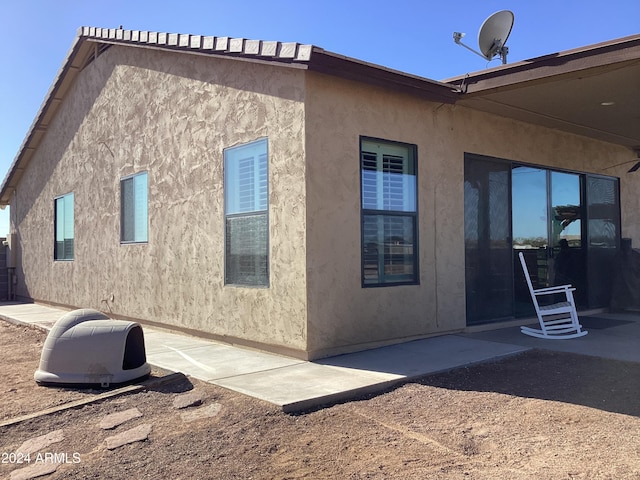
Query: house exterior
287, 198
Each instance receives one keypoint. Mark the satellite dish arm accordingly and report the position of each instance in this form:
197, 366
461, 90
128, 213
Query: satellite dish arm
502, 51
457, 37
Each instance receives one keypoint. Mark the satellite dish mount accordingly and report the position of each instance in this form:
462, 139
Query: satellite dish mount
492, 36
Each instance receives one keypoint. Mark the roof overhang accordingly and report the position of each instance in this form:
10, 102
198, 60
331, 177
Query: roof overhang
592, 91
352, 69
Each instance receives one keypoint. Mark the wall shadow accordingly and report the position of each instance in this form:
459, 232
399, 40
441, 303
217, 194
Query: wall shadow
609, 385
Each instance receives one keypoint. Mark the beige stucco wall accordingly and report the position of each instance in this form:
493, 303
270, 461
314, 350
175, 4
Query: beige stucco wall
344, 316
630, 201
170, 114
341, 312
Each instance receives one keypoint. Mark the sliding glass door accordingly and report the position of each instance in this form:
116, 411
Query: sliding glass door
566, 224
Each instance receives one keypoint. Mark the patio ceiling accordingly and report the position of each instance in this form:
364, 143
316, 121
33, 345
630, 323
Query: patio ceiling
593, 91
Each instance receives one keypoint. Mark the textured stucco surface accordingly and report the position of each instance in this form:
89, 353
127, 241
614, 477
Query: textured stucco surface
172, 115
338, 112
629, 201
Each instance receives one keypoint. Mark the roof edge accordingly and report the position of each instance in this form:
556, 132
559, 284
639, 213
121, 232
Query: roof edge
8, 186
261, 49
358, 70
554, 64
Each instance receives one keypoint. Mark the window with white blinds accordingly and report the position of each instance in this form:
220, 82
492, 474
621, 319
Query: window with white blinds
134, 209
246, 196
64, 220
389, 241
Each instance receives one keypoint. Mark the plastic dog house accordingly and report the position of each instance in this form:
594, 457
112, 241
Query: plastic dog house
87, 347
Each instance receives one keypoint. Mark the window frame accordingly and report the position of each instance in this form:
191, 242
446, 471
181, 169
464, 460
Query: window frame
123, 214
408, 210
242, 209
64, 198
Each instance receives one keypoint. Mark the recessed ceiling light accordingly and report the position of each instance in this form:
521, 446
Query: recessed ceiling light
607, 104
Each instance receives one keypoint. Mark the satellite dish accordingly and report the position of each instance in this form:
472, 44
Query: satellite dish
492, 36
494, 33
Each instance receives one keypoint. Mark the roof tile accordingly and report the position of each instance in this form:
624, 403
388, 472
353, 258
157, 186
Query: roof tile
208, 43
288, 50
222, 43
252, 47
236, 45
195, 41
269, 49
304, 53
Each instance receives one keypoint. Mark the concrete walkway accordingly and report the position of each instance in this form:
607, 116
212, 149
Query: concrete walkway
295, 384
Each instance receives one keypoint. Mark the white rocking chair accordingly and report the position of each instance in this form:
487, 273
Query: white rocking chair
558, 320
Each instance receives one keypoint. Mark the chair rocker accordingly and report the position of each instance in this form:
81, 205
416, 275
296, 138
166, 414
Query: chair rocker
558, 320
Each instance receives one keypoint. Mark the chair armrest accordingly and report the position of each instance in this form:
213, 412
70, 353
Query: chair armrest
556, 289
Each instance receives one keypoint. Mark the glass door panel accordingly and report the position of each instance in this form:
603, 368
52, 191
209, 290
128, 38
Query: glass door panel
567, 255
487, 231
530, 217
603, 233
547, 228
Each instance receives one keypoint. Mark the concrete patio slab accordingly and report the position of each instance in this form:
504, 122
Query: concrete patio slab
214, 361
308, 385
294, 384
157, 341
420, 357
613, 336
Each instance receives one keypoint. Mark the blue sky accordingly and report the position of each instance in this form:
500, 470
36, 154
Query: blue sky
409, 35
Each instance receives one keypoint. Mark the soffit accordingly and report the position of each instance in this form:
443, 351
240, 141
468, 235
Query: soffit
566, 91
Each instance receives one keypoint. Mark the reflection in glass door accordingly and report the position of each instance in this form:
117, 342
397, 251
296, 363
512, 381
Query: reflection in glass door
567, 253
547, 228
530, 217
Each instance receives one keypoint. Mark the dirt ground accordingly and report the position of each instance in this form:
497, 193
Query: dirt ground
538, 415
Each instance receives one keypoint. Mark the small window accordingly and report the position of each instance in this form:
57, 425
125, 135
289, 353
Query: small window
63, 213
246, 220
389, 219
133, 209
